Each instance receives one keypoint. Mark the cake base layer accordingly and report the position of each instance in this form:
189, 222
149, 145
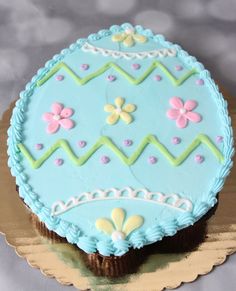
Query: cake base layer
212, 252
185, 240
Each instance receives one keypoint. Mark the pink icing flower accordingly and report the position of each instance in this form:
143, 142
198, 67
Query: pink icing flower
182, 112
58, 117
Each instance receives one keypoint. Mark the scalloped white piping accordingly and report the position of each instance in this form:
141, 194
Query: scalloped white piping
177, 202
165, 52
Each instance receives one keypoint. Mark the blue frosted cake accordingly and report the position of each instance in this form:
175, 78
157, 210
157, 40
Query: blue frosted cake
122, 139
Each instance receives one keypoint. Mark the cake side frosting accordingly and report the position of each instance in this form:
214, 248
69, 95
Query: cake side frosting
121, 139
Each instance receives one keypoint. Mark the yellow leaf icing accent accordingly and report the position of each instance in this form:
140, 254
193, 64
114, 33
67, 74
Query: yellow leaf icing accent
118, 217
129, 108
140, 38
113, 118
126, 117
115, 228
118, 37
109, 108
132, 223
119, 101
129, 41
104, 225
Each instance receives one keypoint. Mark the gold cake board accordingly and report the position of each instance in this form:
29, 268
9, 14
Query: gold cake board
63, 261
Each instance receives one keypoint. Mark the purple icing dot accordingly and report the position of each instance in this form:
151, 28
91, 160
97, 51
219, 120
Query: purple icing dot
199, 159
157, 78
200, 82
127, 142
219, 138
84, 67
176, 140
82, 143
111, 78
59, 77
38, 146
58, 162
105, 159
135, 66
152, 160
178, 68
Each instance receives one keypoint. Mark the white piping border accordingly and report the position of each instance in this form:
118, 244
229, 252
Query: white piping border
165, 52
175, 201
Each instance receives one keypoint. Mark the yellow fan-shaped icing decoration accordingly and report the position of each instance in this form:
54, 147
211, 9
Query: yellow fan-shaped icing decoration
132, 223
104, 225
118, 217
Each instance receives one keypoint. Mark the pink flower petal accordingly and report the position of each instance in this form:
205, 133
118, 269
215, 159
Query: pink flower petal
57, 108
53, 126
66, 123
190, 105
193, 116
66, 112
48, 116
181, 121
176, 102
172, 113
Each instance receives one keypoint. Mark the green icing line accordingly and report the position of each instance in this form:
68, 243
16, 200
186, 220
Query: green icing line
107, 66
105, 141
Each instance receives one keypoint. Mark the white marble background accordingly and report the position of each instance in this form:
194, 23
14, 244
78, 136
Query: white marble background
32, 31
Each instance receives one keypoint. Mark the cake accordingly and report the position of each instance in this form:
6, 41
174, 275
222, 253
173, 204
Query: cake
121, 141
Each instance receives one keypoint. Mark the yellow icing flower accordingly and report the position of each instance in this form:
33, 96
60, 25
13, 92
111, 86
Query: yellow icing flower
119, 111
116, 227
129, 37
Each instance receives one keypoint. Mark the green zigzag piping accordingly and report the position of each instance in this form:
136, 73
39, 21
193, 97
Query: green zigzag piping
103, 140
107, 66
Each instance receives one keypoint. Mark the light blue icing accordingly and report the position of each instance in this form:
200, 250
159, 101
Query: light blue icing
105, 247
42, 187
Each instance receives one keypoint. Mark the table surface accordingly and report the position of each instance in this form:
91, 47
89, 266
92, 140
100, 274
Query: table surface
32, 31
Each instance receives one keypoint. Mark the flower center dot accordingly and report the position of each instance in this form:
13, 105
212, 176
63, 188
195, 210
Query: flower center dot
117, 235
182, 111
56, 117
129, 31
118, 110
